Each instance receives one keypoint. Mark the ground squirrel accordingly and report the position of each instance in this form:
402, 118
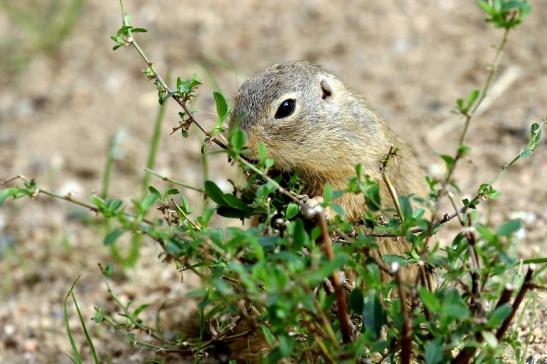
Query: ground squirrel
310, 122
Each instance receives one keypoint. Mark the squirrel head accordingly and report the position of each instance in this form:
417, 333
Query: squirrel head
306, 118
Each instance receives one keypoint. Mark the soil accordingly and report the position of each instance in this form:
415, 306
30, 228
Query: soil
60, 108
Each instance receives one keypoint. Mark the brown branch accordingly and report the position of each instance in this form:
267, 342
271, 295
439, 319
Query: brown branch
341, 299
526, 285
505, 295
406, 339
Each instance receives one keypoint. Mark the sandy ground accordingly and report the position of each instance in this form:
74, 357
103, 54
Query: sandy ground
58, 111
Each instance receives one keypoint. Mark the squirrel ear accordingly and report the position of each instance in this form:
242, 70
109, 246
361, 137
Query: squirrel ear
327, 90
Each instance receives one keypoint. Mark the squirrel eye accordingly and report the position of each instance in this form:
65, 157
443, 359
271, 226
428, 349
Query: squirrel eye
285, 109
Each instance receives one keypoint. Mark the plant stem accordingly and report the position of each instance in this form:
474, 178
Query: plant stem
132, 42
526, 285
492, 68
154, 144
406, 336
110, 162
341, 299
392, 192
173, 181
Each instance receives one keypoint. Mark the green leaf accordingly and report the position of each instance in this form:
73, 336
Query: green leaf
456, 310
463, 150
535, 260
448, 160
486, 233
221, 105
430, 300
268, 335
8, 192
140, 309
172, 191
234, 202
357, 301
374, 316
186, 88
238, 139
215, 193
490, 339
300, 236
486, 7
406, 207
262, 152
235, 213
292, 210
204, 219
148, 202
434, 352
112, 236
499, 315
97, 201
326, 269
372, 197
473, 96
154, 192
510, 227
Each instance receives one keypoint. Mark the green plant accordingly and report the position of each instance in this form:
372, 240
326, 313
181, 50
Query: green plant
313, 290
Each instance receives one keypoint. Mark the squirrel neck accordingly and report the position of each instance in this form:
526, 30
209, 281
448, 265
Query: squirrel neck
361, 137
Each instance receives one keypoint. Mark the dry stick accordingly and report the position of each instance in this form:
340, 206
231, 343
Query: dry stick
179, 209
393, 193
341, 300
406, 340
450, 196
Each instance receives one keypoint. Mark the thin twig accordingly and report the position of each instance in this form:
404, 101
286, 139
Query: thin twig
173, 181
157, 77
392, 192
68, 197
460, 152
493, 67
11, 179
341, 299
179, 209
450, 196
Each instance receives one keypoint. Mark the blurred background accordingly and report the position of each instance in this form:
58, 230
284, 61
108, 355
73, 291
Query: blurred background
64, 94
